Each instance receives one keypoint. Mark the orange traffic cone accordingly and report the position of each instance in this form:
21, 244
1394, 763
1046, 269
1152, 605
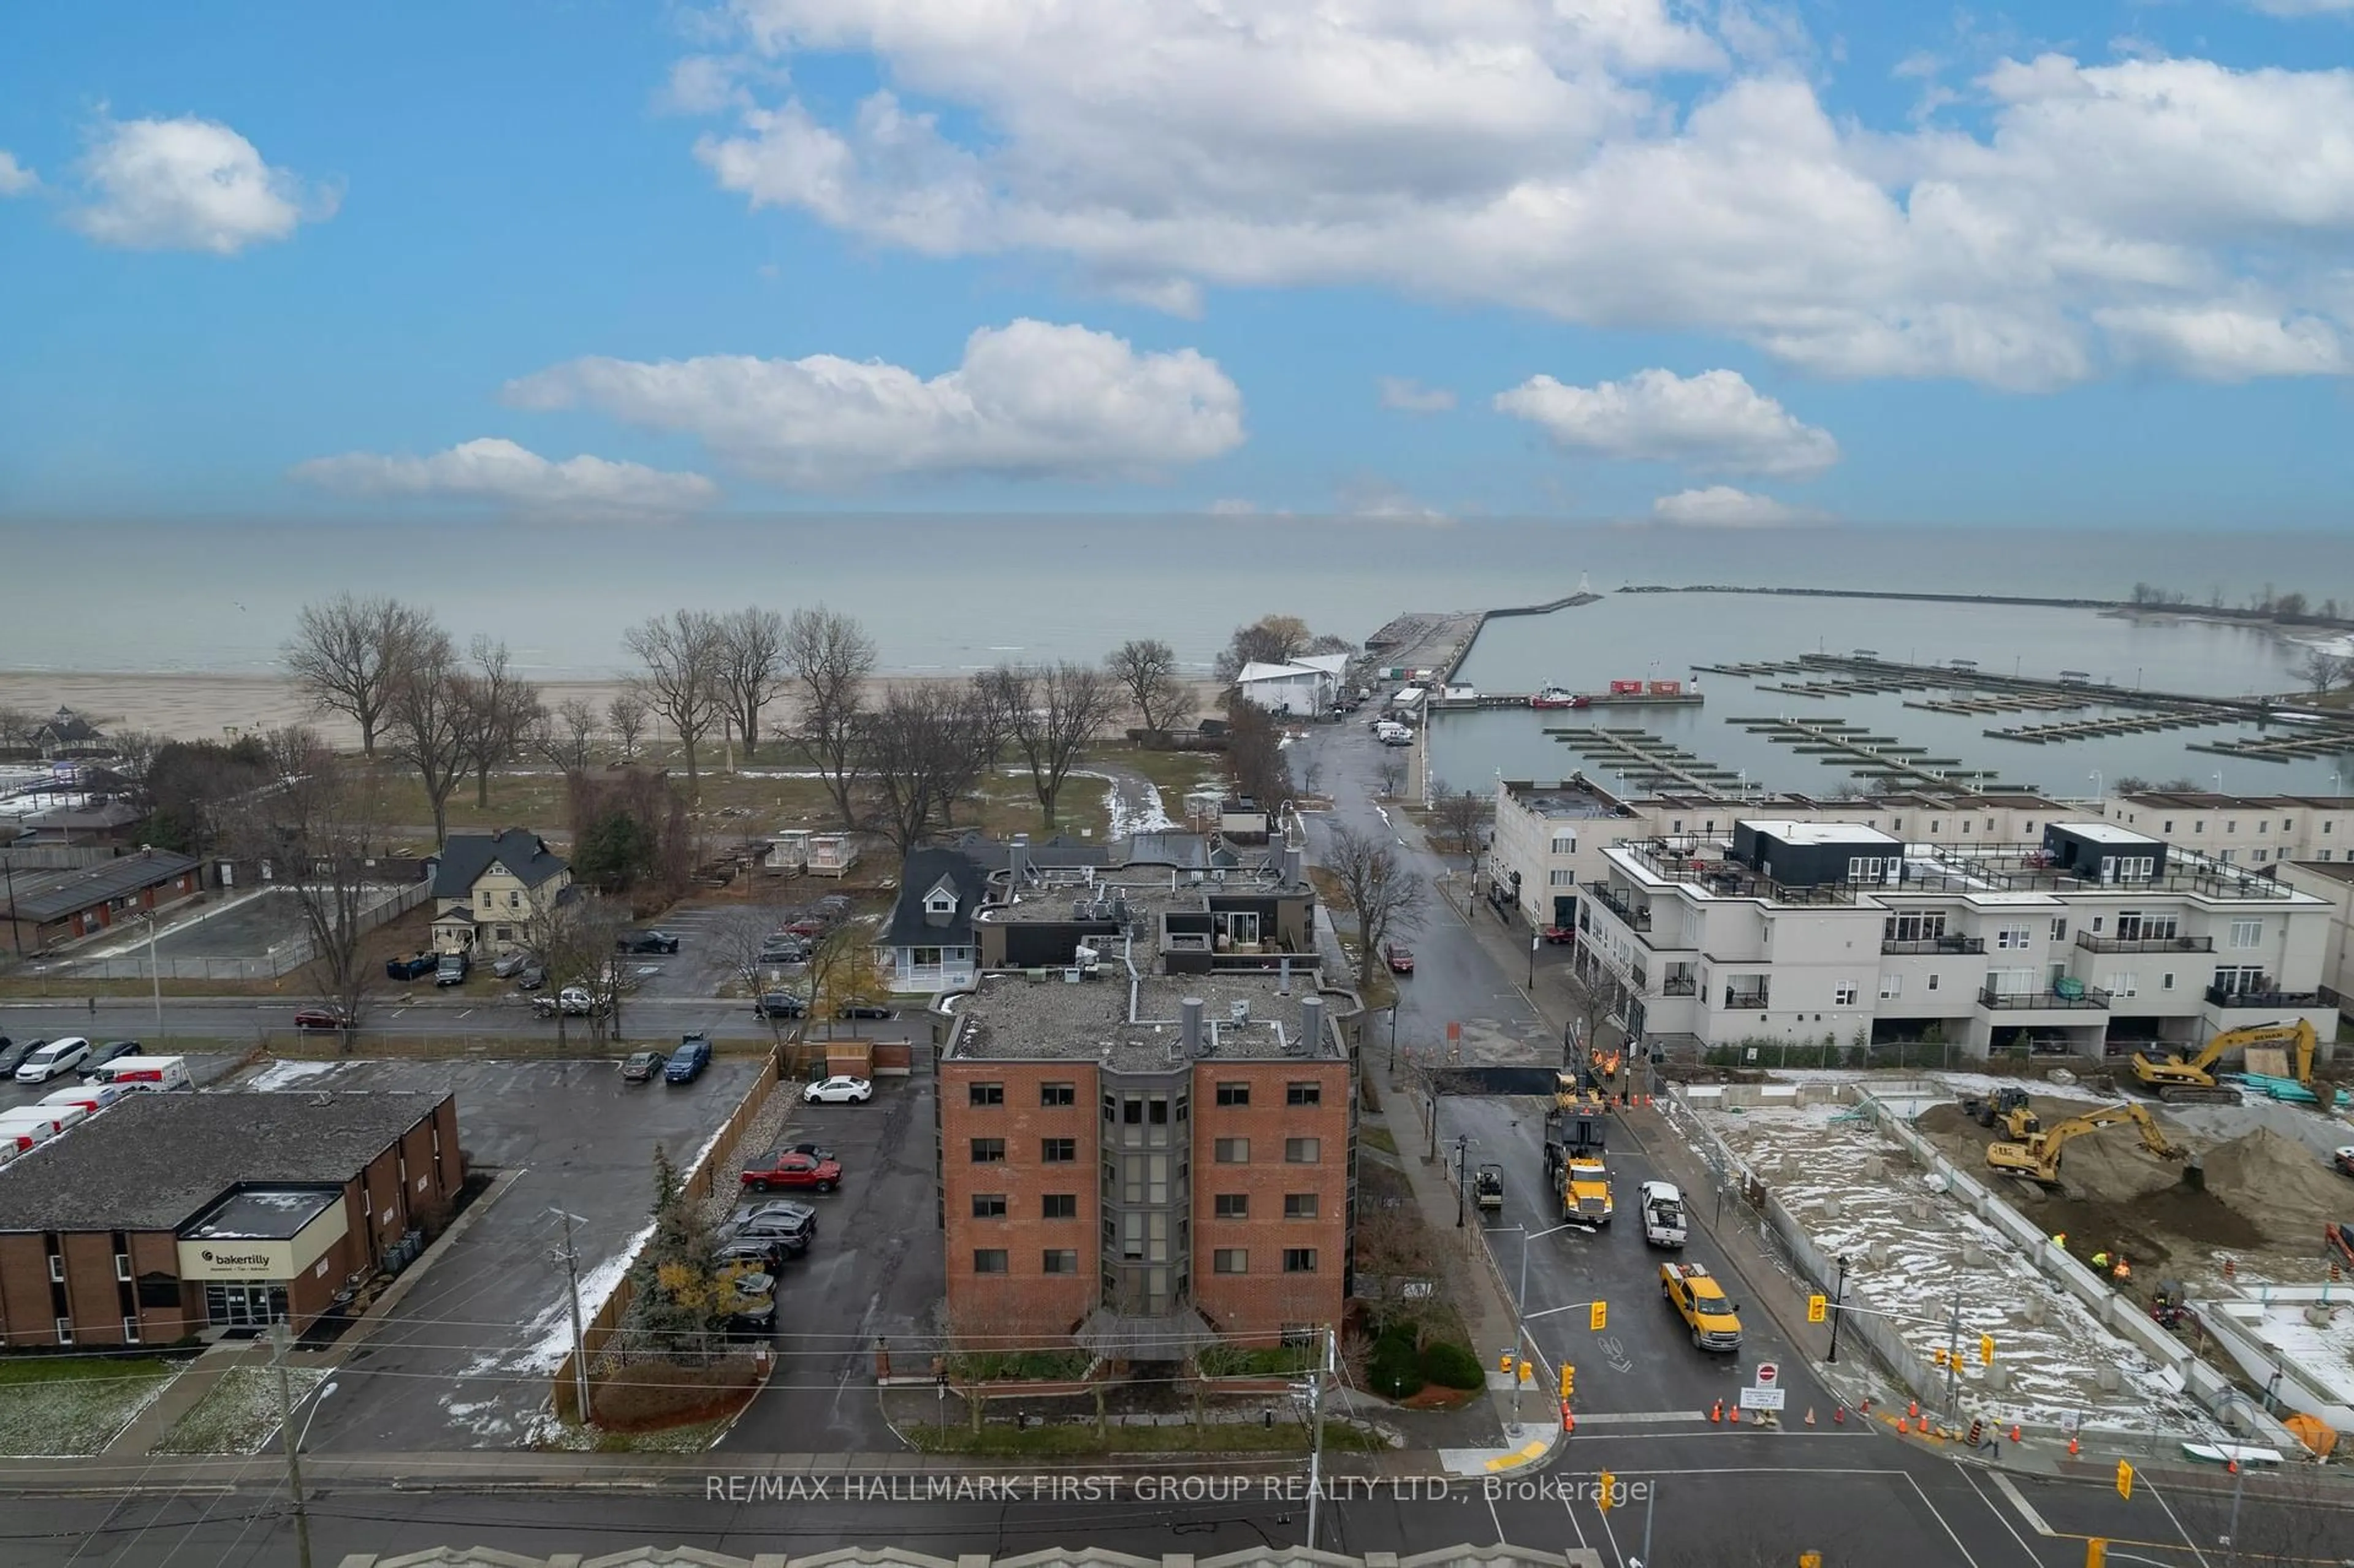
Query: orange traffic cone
1903, 1424
1864, 1408
2014, 1432
1913, 1408
1838, 1414
1716, 1410
2072, 1447
1810, 1415
2230, 1466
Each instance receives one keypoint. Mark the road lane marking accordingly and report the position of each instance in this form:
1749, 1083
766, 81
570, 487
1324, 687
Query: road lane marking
1629, 1417
2175, 1522
2000, 1517
2002, 1484
1939, 1517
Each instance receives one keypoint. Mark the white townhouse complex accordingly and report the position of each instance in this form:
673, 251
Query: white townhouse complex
2243, 830
2088, 938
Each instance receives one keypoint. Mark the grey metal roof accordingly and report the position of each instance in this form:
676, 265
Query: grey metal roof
45, 895
465, 856
152, 1162
105, 816
924, 869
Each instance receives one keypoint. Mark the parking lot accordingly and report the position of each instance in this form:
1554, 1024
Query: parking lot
203, 1071
464, 1359
875, 1271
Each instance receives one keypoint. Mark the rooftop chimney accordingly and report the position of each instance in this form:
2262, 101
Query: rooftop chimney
1189, 1024
1283, 977
1017, 860
1311, 1024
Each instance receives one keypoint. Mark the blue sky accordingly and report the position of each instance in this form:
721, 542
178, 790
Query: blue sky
1722, 264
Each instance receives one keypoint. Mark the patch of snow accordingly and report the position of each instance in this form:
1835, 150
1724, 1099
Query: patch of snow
287, 1074
1127, 821
549, 1336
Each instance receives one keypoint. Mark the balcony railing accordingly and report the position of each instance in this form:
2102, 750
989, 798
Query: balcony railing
1746, 1000
2093, 998
2219, 997
1936, 945
1639, 919
2093, 944
1680, 985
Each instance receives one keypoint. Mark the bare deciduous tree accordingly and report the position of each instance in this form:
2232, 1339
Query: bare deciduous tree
427, 724
1459, 819
1392, 774
830, 659
572, 937
134, 749
17, 727
680, 653
1147, 670
350, 655
1269, 639
499, 707
627, 715
1052, 714
751, 667
1387, 895
924, 748
315, 825
568, 737
2324, 671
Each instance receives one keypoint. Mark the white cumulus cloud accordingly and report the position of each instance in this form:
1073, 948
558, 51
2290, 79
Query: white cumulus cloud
1722, 506
16, 179
2224, 341
503, 473
1713, 420
188, 185
1411, 397
1618, 165
1031, 400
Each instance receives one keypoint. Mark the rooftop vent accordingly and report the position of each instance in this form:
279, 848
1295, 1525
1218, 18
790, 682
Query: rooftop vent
1312, 1024
1189, 1025
1239, 1012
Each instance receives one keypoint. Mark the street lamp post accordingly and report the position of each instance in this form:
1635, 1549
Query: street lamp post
1839, 1294
1533, 939
1393, 1041
8, 876
1462, 1173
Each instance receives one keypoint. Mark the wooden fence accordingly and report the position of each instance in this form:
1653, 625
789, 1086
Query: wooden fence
698, 1185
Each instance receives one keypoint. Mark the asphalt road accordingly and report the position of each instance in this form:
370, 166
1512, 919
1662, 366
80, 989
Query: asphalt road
426, 1012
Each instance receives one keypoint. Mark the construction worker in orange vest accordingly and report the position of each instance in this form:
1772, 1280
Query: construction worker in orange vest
2123, 1271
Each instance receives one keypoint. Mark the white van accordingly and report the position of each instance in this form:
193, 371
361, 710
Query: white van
41, 1123
135, 1073
91, 1097
56, 1056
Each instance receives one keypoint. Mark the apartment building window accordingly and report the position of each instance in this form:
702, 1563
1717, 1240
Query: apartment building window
2321, 855
1059, 1260
57, 1268
1301, 1151
1299, 1205
1299, 1260
122, 1267
2169, 825
1057, 1094
2230, 827
1234, 1093
1059, 1206
988, 1094
1892, 986
65, 1330
1232, 1150
2232, 980
1562, 876
2260, 856
2014, 937
2288, 824
1912, 927
2060, 929
2133, 925
2329, 827
1303, 1094
1564, 844
1843, 996
1933, 982
989, 1206
988, 1150
130, 1330
2126, 983
1059, 1151
2227, 856
2247, 933
2166, 981
1232, 1206
2199, 826
2010, 982
1230, 1260
989, 1260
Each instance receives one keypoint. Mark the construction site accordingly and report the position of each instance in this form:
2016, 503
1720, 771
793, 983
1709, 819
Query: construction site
2116, 1263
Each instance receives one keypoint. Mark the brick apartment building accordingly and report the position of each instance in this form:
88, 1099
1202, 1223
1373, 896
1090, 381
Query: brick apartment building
166, 1215
1147, 1141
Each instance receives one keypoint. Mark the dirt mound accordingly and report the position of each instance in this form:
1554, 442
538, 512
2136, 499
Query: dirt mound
2111, 1163
2278, 1182
1944, 1121
2174, 1226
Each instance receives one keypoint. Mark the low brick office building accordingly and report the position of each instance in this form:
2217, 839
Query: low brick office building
168, 1214
1141, 1160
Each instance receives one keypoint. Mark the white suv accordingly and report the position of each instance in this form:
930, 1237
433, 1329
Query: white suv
56, 1056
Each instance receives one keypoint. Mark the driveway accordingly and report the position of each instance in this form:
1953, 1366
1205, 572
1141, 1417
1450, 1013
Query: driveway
464, 1359
876, 1270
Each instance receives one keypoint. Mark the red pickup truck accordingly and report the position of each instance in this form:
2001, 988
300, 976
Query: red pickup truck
794, 1169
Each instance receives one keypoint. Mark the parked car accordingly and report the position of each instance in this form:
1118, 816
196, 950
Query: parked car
1560, 936
2344, 1160
99, 1056
1399, 957
863, 1009
321, 1018
686, 1063
778, 1004
765, 1253
512, 964
813, 1151
783, 949
645, 942
833, 907
412, 966
62, 1056
806, 926
13, 1053
840, 1090
573, 1001
451, 970
788, 1221
755, 1317
790, 1170
531, 977
642, 1066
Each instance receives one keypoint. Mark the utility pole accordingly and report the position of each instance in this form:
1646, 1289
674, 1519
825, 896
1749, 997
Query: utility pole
1953, 1348
1839, 1294
1316, 1430
570, 1257
277, 1338
8, 876
154, 974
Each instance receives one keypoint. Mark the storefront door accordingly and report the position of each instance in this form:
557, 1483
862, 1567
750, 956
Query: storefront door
244, 1303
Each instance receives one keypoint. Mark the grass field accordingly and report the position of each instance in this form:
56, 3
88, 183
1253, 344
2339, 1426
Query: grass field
75, 1404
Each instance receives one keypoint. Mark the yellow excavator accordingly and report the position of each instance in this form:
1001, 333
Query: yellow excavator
2039, 1155
2190, 1080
